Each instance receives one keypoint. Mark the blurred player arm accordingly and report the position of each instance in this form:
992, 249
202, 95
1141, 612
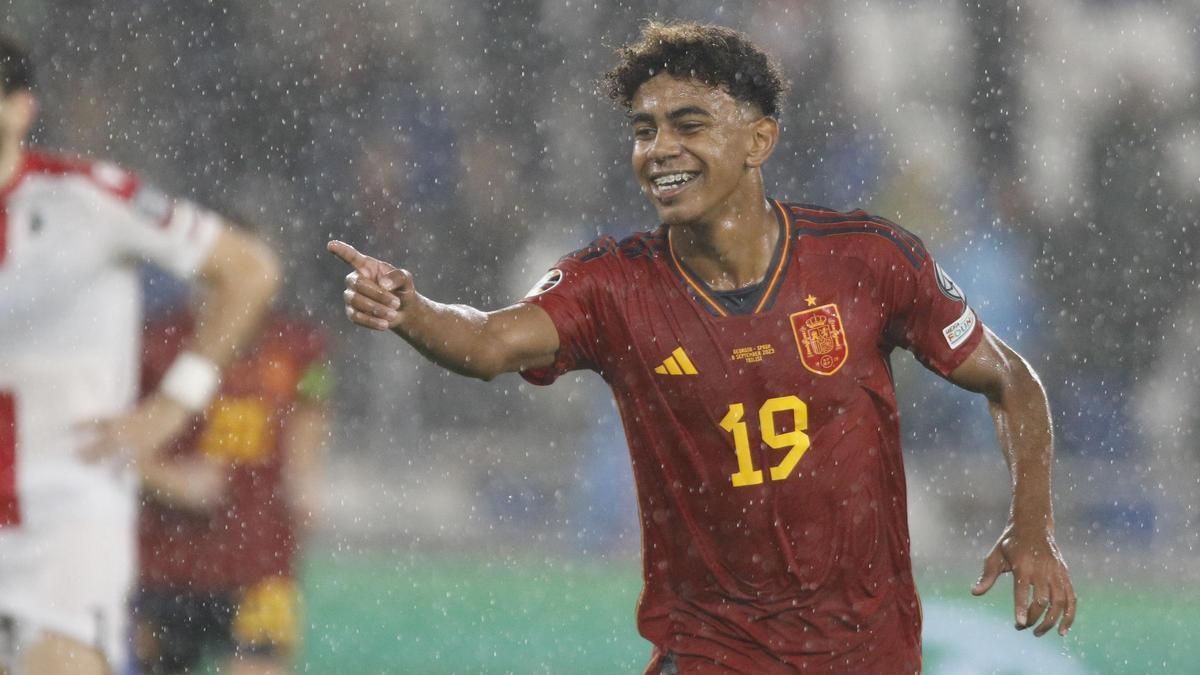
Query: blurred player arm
241, 276
194, 483
305, 443
1027, 547
457, 337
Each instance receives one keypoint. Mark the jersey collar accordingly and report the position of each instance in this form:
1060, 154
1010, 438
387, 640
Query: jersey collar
712, 301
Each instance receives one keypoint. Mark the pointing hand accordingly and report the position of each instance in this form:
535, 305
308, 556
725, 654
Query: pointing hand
377, 293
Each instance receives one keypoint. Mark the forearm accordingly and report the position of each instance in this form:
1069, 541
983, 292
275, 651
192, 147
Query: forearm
192, 484
1021, 414
455, 337
1026, 547
241, 277
240, 291
304, 481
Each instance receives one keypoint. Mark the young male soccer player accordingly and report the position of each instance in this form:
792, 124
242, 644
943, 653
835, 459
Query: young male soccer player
71, 236
223, 515
747, 342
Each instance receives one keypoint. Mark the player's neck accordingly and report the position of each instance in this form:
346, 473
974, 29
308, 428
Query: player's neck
732, 250
11, 155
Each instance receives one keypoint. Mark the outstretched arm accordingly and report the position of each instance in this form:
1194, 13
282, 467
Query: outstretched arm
1026, 547
457, 337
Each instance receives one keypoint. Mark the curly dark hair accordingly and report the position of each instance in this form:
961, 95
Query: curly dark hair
16, 68
715, 55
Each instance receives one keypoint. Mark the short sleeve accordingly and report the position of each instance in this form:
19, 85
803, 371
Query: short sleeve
174, 234
573, 293
930, 315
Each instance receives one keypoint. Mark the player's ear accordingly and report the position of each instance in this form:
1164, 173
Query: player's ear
764, 134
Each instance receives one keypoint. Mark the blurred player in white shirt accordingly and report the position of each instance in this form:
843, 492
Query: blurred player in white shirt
72, 440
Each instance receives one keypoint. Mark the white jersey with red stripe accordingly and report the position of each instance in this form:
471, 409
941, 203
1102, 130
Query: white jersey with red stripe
72, 234
70, 296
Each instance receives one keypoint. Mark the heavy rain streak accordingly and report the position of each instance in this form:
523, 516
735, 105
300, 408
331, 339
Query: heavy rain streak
344, 500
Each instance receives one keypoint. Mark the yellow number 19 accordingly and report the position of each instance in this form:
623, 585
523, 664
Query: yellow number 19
796, 440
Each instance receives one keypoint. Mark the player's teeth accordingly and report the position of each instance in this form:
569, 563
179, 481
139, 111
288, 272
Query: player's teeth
672, 180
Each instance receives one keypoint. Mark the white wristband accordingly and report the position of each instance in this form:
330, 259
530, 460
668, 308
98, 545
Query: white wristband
191, 381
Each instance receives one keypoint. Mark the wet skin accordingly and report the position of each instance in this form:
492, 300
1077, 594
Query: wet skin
698, 155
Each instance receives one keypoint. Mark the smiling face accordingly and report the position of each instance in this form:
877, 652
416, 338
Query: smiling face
697, 150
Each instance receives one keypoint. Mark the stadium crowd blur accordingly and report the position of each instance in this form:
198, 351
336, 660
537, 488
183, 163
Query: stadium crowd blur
1056, 179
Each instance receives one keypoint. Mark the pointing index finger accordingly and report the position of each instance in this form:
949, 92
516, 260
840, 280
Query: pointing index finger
347, 253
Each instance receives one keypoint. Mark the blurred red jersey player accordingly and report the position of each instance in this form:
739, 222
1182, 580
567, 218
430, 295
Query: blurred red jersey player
747, 342
224, 514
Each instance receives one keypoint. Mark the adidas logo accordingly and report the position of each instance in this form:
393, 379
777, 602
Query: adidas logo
677, 363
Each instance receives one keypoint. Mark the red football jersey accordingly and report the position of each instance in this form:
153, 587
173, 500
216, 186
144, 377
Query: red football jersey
764, 435
251, 535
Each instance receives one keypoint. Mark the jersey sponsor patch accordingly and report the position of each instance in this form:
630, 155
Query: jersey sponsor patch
958, 332
947, 286
821, 339
552, 279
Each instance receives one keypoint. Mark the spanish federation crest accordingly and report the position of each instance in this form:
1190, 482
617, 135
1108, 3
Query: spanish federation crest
821, 339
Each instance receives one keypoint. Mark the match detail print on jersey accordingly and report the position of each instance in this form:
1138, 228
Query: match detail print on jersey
821, 339
10, 513
752, 354
677, 363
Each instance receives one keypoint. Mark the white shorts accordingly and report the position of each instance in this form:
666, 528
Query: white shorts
69, 566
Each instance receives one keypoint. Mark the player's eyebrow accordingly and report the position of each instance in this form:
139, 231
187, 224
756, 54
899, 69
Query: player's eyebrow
636, 117
687, 110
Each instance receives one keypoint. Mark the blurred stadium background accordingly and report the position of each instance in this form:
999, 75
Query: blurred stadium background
1048, 151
